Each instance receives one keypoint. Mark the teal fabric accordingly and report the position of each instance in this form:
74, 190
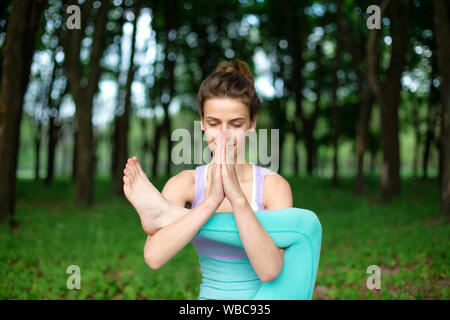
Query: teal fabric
232, 279
297, 230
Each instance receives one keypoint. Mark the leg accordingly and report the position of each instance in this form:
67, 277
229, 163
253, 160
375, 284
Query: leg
154, 210
297, 230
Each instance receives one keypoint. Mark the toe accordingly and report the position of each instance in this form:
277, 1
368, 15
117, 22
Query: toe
139, 168
134, 168
130, 174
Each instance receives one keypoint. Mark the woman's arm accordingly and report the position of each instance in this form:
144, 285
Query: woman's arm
265, 257
168, 241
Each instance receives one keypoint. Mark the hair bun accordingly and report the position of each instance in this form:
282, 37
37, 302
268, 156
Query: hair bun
236, 66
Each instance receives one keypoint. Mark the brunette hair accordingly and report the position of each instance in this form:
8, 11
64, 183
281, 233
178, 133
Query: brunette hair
231, 79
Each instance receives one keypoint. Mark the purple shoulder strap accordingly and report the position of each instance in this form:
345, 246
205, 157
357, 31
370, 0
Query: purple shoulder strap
199, 185
260, 174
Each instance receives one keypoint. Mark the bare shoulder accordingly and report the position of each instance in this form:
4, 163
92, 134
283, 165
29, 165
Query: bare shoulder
277, 192
180, 188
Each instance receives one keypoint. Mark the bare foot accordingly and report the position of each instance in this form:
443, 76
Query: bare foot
145, 198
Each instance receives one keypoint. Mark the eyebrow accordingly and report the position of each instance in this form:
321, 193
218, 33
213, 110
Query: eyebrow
235, 119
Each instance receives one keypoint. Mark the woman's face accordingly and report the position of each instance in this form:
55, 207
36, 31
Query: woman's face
220, 114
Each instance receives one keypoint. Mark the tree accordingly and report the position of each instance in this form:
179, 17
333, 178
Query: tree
442, 29
355, 45
83, 90
335, 112
122, 121
387, 93
16, 61
295, 30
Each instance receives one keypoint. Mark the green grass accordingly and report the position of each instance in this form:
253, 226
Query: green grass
407, 238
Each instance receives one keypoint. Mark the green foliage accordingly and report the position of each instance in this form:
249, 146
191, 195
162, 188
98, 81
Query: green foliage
407, 239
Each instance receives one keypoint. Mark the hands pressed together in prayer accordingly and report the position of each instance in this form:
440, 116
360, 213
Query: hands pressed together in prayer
224, 180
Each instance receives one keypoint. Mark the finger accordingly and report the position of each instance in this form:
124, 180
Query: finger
218, 171
213, 171
218, 150
223, 148
213, 138
216, 153
229, 148
223, 170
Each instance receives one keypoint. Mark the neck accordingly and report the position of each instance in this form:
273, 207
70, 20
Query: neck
241, 170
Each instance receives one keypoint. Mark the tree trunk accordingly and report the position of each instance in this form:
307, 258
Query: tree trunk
17, 54
121, 147
388, 94
37, 148
416, 125
155, 151
172, 23
53, 133
168, 130
53, 136
362, 133
429, 138
74, 155
296, 155
335, 116
432, 116
310, 151
53, 127
115, 122
145, 144
355, 45
295, 33
442, 30
390, 170
84, 156
83, 95
373, 161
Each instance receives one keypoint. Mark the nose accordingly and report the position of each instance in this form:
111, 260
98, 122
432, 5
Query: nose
227, 134
223, 131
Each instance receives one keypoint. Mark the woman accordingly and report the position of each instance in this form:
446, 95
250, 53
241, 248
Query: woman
228, 107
